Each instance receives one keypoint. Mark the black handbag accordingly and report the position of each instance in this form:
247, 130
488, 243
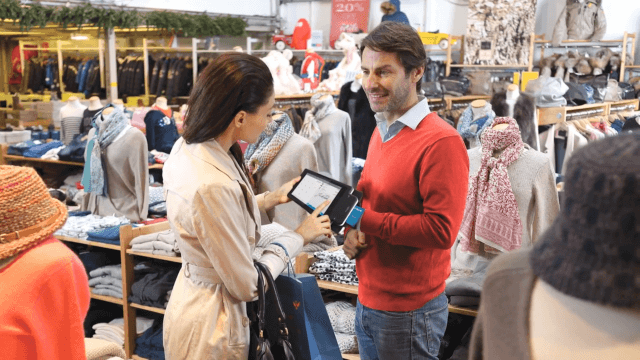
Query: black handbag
627, 92
267, 343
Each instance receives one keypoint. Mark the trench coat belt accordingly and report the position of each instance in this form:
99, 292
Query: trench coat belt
199, 273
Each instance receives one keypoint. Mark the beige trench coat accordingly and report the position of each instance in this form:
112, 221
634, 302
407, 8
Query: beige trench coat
216, 219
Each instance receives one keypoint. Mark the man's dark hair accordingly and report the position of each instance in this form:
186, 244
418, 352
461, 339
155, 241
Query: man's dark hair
398, 38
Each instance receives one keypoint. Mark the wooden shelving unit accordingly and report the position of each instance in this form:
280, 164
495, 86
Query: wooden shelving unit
127, 233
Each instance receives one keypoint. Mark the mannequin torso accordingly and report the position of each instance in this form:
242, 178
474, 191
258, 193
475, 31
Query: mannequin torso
512, 97
71, 119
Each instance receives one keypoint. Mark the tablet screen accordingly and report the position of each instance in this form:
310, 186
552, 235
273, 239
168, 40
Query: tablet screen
313, 191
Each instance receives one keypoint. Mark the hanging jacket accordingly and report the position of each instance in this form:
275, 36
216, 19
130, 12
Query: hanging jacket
580, 22
82, 76
363, 121
162, 77
153, 82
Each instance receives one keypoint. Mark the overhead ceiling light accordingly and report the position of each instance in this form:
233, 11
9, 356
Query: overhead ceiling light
79, 37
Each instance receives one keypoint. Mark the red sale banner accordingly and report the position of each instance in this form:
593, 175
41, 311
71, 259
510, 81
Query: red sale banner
348, 16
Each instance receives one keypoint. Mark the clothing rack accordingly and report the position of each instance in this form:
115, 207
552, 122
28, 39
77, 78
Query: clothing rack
623, 108
585, 113
60, 49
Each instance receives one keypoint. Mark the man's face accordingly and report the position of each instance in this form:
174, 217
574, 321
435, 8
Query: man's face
385, 82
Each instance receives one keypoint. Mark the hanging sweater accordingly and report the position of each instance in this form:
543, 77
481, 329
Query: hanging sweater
44, 300
415, 188
363, 120
162, 132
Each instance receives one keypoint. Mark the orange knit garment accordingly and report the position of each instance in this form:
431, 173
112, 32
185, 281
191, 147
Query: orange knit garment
44, 299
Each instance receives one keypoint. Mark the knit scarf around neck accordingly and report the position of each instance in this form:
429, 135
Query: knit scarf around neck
104, 136
261, 153
466, 123
321, 109
491, 214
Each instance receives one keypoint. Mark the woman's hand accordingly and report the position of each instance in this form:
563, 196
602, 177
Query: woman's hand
314, 225
280, 196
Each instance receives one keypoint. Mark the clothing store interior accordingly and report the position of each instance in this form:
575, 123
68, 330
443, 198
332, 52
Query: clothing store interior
143, 216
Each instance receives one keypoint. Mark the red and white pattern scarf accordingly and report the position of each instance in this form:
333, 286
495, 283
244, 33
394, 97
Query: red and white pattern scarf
491, 214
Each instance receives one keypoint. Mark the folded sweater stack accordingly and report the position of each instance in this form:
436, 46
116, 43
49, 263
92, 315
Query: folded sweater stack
342, 316
334, 266
78, 226
114, 330
152, 285
160, 243
107, 281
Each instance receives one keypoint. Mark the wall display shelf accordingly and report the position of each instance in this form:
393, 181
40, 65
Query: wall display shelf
460, 40
628, 39
554, 115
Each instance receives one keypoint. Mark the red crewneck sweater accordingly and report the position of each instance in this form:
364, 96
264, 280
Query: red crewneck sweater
415, 188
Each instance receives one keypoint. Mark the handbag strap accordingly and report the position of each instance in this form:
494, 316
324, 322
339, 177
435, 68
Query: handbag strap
261, 302
290, 270
284, 332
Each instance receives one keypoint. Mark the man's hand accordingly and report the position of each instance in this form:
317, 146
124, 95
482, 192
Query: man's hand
353, 243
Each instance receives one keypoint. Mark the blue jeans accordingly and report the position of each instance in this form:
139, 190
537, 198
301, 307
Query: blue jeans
407, 335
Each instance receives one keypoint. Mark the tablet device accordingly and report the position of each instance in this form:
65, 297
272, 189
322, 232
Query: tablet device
313, 189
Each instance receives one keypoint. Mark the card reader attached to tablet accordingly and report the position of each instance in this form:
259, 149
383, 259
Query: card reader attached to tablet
313, 189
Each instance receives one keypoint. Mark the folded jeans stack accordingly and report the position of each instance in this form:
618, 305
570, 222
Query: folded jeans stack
160, 243
334, 266
107, 281
149, 345
342, 316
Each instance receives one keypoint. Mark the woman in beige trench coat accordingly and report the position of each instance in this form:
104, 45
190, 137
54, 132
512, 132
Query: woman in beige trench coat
215, 215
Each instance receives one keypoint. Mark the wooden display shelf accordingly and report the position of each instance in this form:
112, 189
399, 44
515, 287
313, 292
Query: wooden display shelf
554, 115
136, 357
148, 308
351, 356
48, 161
462, 311
110, 299
156, 166
159, 257
87, 242
330, 285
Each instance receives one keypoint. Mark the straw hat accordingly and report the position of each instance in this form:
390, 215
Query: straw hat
28, 214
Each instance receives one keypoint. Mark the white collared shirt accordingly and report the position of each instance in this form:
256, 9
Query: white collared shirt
411, 118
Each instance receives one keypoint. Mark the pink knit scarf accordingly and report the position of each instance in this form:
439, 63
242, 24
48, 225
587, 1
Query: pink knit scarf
491, 214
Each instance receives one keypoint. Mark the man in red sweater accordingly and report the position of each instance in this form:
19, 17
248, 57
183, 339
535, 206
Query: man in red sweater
415, 186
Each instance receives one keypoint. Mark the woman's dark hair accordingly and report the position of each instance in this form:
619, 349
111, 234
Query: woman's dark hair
232, 83
401, 39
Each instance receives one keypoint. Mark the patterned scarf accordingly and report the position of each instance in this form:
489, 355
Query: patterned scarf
260, 154
321, 109
470, 129
491, 213
104, 136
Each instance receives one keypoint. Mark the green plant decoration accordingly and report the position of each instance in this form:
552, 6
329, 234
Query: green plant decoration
36, 15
